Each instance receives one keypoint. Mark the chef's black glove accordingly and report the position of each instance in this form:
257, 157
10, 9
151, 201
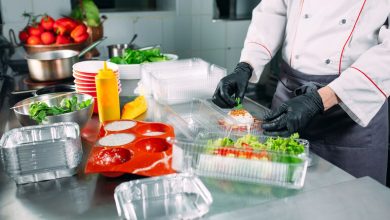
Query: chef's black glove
293, 115
235, 83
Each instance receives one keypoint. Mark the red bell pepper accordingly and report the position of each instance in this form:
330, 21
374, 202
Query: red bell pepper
83, 37
64, 25
78, 31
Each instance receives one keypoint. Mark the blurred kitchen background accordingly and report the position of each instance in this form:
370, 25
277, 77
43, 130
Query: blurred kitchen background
213, 30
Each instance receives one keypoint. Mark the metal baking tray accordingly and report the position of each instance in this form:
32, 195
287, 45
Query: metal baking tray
42, 152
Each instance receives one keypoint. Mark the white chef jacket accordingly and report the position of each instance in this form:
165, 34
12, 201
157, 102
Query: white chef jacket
325, 37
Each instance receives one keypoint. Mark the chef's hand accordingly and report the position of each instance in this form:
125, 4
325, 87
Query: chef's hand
293, 115
235, 83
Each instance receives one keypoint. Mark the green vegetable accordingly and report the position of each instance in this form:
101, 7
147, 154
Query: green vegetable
238, 104
39, 110
140, 56
87, 11
288, 147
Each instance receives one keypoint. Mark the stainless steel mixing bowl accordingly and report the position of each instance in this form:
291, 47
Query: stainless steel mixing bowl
81, 116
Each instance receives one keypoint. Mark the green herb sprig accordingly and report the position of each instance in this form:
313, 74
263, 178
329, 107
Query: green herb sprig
238, 104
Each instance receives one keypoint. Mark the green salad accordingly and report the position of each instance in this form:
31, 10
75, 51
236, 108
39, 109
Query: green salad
38, 111
272, 149
140, 56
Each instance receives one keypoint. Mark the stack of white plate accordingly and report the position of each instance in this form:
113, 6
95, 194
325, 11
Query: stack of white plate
84, 73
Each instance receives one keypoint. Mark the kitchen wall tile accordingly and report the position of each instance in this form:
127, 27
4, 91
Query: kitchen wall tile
196, 7
213, 33
236, 32
184, 54
168, 29
232, 58
183, 36
54, 8
166, 5
196, 32
149, 30
183, 7
207, 7
119, 28
196, 53
214, 56
12, 10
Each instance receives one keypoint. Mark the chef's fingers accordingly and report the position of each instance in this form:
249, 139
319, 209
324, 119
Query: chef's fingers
218, 100
276, 124
271, 115
240, 94
226, 95
280, 133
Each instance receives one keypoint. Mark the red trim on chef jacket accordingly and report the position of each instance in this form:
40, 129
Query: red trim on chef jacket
269, 52
350, 35
370, 81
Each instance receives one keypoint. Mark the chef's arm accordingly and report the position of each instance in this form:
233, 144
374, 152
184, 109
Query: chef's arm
265, 35
364, 87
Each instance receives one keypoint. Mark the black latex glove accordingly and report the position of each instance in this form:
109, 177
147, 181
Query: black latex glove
233, 84
293, 115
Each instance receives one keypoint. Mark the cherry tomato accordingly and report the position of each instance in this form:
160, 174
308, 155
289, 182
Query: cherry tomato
47, 23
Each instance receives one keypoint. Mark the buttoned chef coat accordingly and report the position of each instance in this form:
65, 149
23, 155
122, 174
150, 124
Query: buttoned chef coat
324, 37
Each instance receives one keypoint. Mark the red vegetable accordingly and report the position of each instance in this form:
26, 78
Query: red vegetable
48, 38
63, 39
34, 40
78, 31
35, 30
64, 25
81, 38
47, 23
23, 36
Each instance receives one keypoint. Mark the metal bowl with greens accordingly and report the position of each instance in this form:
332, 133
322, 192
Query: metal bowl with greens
55, 107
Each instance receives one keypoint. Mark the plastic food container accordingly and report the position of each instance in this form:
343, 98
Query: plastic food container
203, 115
240, 164
126, 146
43, 152
180, 81
175, 196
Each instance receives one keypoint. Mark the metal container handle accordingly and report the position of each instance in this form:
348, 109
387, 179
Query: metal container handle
90, 47
12, 38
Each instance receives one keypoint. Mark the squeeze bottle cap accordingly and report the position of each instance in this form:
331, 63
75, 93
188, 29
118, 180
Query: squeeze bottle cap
105, 72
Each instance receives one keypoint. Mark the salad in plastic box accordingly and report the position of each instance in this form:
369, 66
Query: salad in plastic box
248, 158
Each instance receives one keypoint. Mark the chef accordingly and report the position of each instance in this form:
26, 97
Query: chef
334, 80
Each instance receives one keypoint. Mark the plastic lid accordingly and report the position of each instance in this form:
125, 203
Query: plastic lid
105, 72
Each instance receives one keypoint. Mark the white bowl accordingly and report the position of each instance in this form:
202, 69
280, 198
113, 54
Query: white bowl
133, 71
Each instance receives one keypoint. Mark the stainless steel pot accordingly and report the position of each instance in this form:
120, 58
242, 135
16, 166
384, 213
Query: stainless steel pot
117, 50
55, 65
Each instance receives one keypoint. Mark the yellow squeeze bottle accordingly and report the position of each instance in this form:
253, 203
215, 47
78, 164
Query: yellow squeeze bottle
107, 94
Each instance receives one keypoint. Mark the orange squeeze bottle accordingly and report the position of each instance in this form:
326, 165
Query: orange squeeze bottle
107, 94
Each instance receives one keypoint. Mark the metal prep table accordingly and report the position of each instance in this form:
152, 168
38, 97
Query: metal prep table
329, 192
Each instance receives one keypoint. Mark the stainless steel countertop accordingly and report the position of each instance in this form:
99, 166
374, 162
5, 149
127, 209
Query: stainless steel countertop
91, 196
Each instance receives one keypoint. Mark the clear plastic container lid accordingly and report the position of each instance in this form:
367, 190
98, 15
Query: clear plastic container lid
243, 158
180, 81
174, 196
203, 115
148, 68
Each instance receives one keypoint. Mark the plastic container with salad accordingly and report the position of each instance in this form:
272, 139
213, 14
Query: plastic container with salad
248, 158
